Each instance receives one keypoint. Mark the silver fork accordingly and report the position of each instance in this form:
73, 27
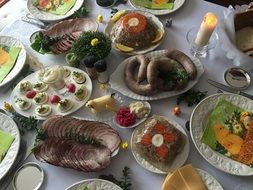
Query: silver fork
30, 19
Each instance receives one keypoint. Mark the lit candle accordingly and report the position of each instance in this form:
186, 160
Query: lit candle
206, 29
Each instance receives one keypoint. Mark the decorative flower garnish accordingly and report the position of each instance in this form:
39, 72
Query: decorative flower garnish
100, 18
176, 110
124, 145
8, 107
94, 42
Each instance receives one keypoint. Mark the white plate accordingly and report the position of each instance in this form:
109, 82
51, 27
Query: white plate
94, 184
177, 5
198, 119
7, 124
178, 161
138, 121
33, 78
117, 81
210, 182
9, 41
158, 24
48, 17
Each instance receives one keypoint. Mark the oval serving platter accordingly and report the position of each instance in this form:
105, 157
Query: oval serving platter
198, 119
117, 80
158, 24
33, 78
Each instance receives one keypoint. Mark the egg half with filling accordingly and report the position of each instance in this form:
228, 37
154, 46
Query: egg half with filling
23, 104
81, 93
78, 77
25, 86
43, 110
41, 98
64, 105
40, 87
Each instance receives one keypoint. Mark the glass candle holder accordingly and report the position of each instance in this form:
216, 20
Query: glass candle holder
200, 51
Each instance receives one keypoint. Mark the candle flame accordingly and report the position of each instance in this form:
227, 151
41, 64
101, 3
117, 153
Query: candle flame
210, 19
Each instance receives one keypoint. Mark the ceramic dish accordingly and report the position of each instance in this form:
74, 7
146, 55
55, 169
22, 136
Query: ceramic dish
210, 182
7, 124
180, 157
9, 41
138, 121
158, 24
94, 184
117, 80
48, 17
198, 119
177, 5
33, 78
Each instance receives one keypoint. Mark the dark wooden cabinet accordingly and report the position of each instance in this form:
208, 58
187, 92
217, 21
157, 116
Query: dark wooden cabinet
226, 3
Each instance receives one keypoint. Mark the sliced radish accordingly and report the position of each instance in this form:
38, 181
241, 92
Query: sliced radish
30, 94
71, 87
54, 99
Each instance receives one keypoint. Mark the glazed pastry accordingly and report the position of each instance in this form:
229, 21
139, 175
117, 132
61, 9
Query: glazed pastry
139, 109
25, 86
124, 117
66, 72
40, 87
41, 98
23, 104
78, 77
81, 93
43, 110
64, 105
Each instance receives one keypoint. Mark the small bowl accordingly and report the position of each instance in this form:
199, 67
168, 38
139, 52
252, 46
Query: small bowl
138, 121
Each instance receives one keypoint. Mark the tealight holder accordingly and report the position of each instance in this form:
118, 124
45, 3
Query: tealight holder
200, 51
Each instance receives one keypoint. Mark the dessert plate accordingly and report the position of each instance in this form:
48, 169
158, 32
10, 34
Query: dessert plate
94, 184
33, 78
177, 5
48, 17
117, 81
7, 124
157, 23
178, 161
197, 122
20, 62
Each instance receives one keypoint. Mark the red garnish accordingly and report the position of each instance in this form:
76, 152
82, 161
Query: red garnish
169, 137
71, 87
146, 140
54, 99
162, 151
124, 117
30, 94
44, 3
160, 128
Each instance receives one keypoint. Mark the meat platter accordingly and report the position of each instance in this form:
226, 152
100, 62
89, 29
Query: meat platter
32, 95
75, 143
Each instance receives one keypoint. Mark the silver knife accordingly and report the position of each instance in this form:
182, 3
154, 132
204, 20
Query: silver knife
229, 89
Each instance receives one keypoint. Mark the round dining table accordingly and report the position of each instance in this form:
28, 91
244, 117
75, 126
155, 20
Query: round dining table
215, 64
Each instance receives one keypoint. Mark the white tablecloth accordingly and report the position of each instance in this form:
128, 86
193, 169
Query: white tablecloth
215, 64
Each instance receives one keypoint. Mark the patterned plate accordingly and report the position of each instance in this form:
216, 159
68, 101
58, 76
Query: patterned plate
48, 17
210, 182
9, 41
8, 125
94, 184
117, 80
199, 117
177, 5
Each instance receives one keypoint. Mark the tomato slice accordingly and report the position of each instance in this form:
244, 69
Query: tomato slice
146, 140
44, 3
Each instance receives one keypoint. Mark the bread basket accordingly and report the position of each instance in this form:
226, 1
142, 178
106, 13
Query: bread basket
235, 19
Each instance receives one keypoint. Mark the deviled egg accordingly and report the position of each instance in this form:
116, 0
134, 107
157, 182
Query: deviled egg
40, 87
25, 86
41, 98
43, 110
23, 104
66, 72
64, 105
78, 77
81, 93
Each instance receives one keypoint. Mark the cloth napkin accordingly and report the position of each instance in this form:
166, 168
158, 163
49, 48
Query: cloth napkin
6, 140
